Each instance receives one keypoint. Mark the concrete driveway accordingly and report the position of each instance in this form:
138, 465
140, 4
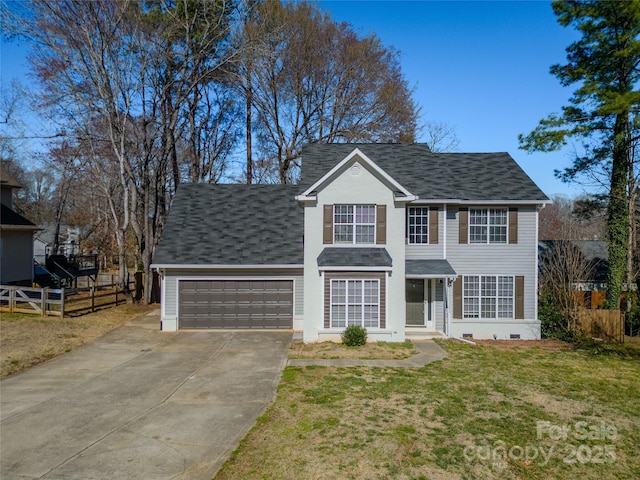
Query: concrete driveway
139, 403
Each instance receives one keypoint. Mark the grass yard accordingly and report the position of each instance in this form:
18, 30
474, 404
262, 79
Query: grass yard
26, 340
329, 350
484, 412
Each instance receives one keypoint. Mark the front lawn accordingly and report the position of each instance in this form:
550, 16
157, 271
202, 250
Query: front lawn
26, 340
483, 412
329, 350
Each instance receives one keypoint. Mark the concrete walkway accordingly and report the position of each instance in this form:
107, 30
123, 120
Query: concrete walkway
139, 404
429, 352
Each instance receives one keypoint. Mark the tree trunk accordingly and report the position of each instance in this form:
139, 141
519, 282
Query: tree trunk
122, 265
249, 100
631, 239
618, 219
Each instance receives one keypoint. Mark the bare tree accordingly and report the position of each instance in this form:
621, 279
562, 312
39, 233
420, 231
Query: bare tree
583, 218
441, 137
316, 80
564, 269
134, 76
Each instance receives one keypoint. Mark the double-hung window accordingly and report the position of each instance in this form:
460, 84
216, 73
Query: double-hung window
354, 224
418, 225
355, 302
488, 296
488, 225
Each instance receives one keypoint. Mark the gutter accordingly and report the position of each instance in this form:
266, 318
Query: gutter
200, 266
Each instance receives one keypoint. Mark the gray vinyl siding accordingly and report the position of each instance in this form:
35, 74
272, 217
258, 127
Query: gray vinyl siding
502, 259
428, 252
298, 296
16, 256
170, 293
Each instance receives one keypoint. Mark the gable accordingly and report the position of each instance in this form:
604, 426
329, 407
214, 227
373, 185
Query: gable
354, 170
464, 177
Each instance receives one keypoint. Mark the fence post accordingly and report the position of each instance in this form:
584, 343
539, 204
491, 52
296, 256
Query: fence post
62, 302
93, 298
621, 329
116, 295
12, 299
43, 297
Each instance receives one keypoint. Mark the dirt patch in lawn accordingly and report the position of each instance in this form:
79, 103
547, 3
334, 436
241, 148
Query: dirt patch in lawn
370, 351
26, 340
552, 345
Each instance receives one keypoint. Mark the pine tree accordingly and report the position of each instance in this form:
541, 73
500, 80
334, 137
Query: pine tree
604, 65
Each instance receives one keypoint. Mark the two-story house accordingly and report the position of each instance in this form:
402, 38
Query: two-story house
16, 237
388, 236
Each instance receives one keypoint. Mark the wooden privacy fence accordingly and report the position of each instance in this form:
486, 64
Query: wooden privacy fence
590, 298
59, 302
607, 324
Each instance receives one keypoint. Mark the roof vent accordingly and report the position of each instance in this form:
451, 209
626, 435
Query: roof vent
355, 169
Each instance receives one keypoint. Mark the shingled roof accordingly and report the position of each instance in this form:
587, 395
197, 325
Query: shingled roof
232, 225
11, 220
431, 176
243, 225
8, 180
354, 257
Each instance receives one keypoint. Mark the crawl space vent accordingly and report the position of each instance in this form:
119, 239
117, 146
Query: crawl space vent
514, 336
467, 335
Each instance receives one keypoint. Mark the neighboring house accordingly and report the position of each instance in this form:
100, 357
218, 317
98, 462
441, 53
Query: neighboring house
388, 236
41, 248
592, 258
68, 242
16, 237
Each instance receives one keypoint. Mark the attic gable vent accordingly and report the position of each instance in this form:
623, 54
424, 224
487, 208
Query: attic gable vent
355, 170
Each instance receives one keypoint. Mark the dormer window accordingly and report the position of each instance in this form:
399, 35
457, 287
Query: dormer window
354, 224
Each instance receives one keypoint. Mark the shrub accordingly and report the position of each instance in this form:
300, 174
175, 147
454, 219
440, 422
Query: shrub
553, 322
354, 336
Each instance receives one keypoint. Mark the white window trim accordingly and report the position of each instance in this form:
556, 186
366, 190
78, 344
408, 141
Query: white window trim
496, 297
354, 224
346, 304
409, 225
487, 240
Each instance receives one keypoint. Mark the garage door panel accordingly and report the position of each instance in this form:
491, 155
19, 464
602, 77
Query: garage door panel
235, 304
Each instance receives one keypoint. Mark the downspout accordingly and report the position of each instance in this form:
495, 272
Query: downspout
447, 320
445, 297
449, 284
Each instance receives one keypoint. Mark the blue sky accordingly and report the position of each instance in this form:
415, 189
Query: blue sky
482, 67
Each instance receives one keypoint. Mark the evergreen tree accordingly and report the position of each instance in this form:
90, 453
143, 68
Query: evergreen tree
602, 113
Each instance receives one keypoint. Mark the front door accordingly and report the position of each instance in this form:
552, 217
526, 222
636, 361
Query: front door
419, 297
